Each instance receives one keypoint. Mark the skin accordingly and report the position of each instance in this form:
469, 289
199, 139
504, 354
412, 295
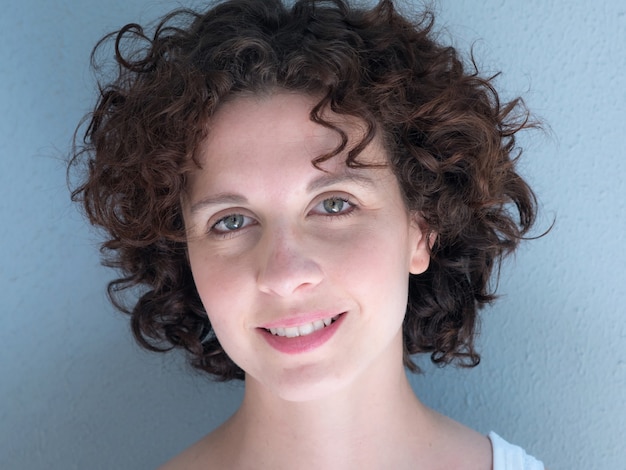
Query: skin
272, 239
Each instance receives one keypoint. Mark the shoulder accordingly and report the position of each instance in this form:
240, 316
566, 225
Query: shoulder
456, 446
190, 459
511, 457
203, 455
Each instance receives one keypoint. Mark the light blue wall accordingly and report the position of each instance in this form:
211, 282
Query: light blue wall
75, 392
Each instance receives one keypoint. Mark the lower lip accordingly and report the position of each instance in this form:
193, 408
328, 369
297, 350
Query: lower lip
302, 344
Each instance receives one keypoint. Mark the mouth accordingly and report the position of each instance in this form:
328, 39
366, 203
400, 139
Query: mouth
303, 330
303, 337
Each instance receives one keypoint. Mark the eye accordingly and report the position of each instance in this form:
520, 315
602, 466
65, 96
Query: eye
231, 223
334, 206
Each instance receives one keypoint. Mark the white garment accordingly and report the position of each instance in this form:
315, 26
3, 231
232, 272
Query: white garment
509, 457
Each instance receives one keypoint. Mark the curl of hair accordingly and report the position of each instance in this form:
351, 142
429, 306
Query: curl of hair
451, 144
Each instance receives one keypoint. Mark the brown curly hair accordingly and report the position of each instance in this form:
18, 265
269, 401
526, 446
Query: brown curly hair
450, 142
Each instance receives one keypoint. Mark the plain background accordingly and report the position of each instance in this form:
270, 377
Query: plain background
76, 393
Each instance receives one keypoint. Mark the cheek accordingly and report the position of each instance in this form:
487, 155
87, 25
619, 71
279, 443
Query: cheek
376, 264
223, 295
219, 284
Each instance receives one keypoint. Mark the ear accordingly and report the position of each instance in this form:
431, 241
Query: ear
422, 240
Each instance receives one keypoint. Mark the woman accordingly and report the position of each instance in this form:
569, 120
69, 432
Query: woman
278, 182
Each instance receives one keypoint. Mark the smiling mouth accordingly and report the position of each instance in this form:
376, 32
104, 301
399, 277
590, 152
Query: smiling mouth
304, 329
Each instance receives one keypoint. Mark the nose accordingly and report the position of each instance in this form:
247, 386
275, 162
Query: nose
287, 265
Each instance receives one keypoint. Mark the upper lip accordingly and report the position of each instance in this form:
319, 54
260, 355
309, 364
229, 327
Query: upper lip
300, 319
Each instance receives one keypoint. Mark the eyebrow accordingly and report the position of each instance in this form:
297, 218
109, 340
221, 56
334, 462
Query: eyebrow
329, 179
323, 181
222, 198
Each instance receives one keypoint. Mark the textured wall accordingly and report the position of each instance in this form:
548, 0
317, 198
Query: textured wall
77, 393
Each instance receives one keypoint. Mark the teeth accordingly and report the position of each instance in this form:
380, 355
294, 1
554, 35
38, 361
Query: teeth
291, 332
303, 330
306, 329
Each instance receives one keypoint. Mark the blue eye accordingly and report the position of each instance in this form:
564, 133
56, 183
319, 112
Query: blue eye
231, 223
335, 206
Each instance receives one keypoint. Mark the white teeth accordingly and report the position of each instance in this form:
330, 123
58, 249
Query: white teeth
306, 329
291, 332
303, 330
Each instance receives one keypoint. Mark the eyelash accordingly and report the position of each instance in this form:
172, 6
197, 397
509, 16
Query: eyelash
351, 207
230, 233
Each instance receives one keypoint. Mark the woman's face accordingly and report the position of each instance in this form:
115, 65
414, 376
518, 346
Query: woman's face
303, 272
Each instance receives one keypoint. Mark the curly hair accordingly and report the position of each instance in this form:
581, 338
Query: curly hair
450, 142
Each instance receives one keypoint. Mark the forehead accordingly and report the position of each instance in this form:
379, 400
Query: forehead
246, 127
265, 147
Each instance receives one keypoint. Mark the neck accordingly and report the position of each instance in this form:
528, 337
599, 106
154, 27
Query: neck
378, 410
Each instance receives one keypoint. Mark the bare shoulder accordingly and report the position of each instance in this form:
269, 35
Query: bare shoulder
195, 457
204, 454
462, 447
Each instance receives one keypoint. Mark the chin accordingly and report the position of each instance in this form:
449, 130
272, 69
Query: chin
307, 384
